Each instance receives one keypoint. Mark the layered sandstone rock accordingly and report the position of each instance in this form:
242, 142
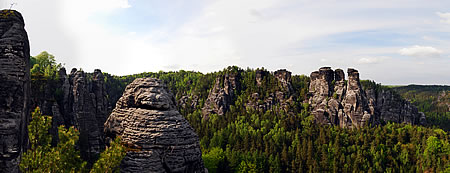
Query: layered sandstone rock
14, 89
345, 103
146, 119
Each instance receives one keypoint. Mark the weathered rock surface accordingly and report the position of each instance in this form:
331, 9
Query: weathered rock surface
78, 99
221, 96
14, 89
345, 103
260, 75
84, 116
282, 95
147, 120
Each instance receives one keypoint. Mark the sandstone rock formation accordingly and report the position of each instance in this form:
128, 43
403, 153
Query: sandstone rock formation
282, 95
83, 114
78, 99
260, 75
345, 103
161, 139
221, 96
14, 89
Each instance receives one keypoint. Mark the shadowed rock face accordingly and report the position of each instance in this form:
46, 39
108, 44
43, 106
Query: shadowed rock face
14, 89
345, 103
84, 115
81, 102
147, 120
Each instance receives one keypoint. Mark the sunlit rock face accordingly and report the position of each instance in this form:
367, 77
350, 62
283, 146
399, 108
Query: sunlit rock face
14, 89
161, 140
221, 96
336, 101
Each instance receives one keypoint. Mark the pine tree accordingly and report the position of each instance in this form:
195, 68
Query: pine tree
41, 157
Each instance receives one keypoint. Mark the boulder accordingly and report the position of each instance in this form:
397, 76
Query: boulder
160, 139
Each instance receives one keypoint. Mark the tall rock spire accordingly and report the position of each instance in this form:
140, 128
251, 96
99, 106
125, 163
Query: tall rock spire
14, 89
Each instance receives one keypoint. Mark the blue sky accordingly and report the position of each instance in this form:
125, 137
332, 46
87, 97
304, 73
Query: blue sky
389, 41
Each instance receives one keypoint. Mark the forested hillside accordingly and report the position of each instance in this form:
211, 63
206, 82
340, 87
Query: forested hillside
253, 120
433, 100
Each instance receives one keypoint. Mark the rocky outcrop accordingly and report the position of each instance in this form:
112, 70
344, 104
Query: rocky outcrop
84, 116
284, 78
14, 89
282, 95
98, 95
260, 75
392, 107
77, 99
161, 140
221, 96
345, 103
188, 103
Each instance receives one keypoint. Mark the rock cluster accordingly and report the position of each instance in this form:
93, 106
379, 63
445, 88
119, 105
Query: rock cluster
77, 99
282, 95
85, 108
345, 103
14, 89
221, 96
161, 140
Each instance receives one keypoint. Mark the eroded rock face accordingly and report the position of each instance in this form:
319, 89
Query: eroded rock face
84, 116
98, 94
260, 74
355, 103
345, 103
77, 99
147, 120
281, 98
284, 77
393, 108
14, 89
221, 96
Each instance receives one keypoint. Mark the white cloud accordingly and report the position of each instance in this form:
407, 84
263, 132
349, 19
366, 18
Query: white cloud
421, 51
445, 17
372, 60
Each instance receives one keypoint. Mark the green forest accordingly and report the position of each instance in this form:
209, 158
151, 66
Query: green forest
284, 138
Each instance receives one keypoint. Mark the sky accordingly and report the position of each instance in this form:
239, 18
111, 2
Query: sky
394, 42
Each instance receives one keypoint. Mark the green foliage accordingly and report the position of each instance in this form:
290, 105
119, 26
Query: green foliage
64, 157
41, 157
45, 81
284, 138
213, 159
279, 140
44, 66
6, 13
431, 100
435, 147
247, 167
110, 159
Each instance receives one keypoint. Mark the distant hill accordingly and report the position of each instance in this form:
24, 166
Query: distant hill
433, 100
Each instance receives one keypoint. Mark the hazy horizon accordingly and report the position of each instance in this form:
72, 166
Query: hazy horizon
393, 43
